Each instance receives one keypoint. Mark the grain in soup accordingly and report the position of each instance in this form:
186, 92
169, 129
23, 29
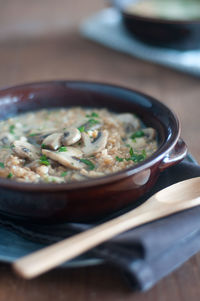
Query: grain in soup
72, 144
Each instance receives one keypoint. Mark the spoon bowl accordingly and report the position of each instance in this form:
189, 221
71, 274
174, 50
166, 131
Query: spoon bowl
181, 194
173, 199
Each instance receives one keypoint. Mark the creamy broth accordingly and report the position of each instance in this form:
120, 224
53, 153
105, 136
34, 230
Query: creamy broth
166, 9
72, 144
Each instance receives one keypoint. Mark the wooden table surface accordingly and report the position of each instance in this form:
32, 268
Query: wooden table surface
39, 40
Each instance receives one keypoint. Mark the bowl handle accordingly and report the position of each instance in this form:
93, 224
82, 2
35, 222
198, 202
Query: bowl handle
177, 154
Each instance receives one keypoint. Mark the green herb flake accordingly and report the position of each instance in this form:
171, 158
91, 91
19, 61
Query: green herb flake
93, 114
2, 165
81, 129
88, 162
33, 134
64, 173
62, 149
131, 152
43, 145
135, 157
93, 121
10, 175
11, 128
138, 157
144, 153
119, 159
137, 134
44, 160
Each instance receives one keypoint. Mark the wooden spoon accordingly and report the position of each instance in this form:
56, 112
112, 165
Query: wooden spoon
172, 199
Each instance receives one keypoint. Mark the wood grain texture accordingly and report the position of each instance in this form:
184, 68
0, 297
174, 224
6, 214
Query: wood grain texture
39, 40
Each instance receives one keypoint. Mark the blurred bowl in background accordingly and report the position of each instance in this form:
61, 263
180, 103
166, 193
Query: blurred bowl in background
167, 23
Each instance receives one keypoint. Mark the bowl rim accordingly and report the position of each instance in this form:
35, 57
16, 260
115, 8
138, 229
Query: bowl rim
156, 157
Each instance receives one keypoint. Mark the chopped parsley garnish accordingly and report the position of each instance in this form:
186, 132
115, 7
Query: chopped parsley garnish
64, 173
2, 165
90, 123
88, 162
136, 157
11, 128
9, 175
44, 160
81, 129
43, 145
62, 149
131, 152
137, 134
33, 134
93, 114
119, 159
144, 153
93, 121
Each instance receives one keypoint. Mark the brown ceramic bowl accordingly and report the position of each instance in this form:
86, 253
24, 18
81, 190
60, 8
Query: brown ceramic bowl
93, 198
177, 34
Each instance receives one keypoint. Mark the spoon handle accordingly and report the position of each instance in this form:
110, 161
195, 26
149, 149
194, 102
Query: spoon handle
52, 256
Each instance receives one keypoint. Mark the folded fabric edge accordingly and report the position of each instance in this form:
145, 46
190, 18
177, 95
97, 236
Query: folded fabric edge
142, 275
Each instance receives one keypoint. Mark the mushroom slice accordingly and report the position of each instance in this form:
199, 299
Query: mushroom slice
95, 146
40, 136
78, 177
53, 141
70, 158
6, 138
25, 150
89, 124
71, 136
130, 122
149, 133
91, 173
50, 179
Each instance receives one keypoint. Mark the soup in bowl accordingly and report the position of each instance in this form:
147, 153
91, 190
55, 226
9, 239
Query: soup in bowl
76, 151
72, 144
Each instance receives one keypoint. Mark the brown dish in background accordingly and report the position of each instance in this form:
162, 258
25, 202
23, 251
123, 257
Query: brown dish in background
175, 31
93, 198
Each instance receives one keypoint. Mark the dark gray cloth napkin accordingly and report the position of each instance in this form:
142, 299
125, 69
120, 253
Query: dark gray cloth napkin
146, 254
